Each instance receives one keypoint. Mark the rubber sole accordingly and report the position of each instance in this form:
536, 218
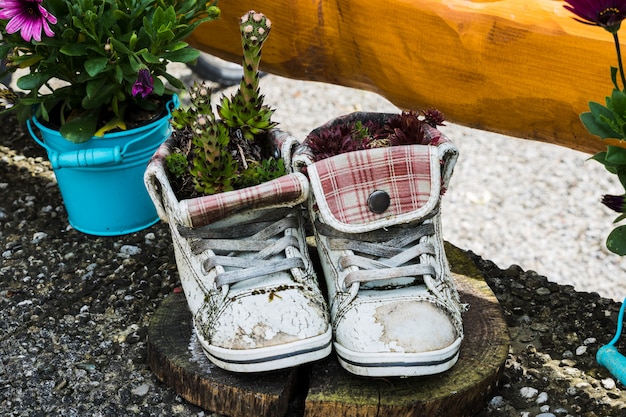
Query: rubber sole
389, 364
270, 358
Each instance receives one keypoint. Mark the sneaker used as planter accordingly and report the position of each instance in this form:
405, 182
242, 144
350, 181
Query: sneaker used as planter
245, 271
394, 307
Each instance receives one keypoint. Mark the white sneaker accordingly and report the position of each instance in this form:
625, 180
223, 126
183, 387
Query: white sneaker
394, 307
246, 273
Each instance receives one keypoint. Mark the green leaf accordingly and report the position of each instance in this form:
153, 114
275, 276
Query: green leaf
616, 241
620, 218
182, 55
597, 127
31, 81
176, 83
149, 58
98, 94
614, 77
615, 156
618, 103
599, 157
119, 46
159, 87
95, 66
81, 128
74, 49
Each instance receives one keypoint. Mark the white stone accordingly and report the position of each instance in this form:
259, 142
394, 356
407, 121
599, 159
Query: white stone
496, 402
608, 383
528, 392
129, 250
542, 398
581, 350
589, 341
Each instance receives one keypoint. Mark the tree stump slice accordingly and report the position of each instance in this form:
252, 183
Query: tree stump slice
176, 358
462, 391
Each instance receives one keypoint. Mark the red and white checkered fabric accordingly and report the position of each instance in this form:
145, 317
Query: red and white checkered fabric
287, 190
342, 184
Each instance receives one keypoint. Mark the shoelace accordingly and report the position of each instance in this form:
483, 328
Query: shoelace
385, 254
261, 240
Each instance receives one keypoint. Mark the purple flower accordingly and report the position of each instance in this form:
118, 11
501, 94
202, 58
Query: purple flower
144, 84
605, 13
27, 16
614, 202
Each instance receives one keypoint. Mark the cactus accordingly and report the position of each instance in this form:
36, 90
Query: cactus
245, 109
227, 152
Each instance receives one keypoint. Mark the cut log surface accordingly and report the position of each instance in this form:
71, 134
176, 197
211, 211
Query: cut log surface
177, 360
522, 68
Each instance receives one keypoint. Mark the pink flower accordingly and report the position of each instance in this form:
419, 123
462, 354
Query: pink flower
27, 16
144, 84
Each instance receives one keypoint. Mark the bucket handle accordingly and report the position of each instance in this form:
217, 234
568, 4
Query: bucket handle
96, 156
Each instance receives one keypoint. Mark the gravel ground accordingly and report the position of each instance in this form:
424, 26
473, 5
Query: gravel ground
75, 308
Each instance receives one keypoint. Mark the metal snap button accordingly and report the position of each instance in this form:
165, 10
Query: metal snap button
378, 201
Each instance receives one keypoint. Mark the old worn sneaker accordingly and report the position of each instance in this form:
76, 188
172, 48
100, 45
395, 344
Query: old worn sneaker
245, 271
394, 307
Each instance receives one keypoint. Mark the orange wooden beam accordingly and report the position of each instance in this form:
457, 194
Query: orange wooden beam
521, 68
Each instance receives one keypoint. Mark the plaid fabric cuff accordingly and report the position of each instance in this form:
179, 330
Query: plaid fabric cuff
408, 175
286, 191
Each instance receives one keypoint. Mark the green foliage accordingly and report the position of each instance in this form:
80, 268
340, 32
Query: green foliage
260, 172
176, 164
226, 151
95, 55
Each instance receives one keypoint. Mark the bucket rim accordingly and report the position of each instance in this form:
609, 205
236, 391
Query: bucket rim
114, 135
173, 101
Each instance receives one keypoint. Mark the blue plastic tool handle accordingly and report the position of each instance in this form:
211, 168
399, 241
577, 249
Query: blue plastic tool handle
609, 357
86, 157
615, 362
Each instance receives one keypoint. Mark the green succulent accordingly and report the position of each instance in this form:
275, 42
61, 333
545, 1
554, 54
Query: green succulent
245, 109
226, 151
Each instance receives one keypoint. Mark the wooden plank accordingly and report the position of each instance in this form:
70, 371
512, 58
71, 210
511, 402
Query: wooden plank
522, 68
176, 358
462, 391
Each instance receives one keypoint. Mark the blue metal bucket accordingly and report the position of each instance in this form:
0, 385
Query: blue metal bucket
101, 180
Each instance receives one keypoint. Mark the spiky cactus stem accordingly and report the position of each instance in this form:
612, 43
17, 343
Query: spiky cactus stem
245, 110
255, 28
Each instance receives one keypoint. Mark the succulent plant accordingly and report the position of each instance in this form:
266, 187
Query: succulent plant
406, 128
245, 110
227, 150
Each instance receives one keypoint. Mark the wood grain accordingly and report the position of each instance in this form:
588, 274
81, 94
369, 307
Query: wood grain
522, 68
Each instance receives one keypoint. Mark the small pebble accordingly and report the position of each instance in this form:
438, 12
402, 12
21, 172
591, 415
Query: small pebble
589, 341
528, 392
542, 398
545, 415
129, 250
38, 237
608, 383
496, 402
543, 291
141, 390
581, 350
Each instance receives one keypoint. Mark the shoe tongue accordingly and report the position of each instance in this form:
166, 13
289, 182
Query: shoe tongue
366, 190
